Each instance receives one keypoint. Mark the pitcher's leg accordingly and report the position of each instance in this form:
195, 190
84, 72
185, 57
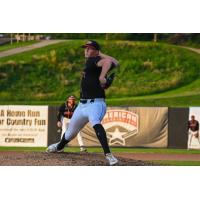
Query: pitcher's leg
96, 115
101, 135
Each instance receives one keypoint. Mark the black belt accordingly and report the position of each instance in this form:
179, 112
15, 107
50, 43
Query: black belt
86, 100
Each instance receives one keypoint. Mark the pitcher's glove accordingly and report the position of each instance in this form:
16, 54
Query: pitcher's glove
109, 81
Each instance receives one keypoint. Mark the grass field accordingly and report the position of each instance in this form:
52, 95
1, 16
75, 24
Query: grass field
153, 100
115, 149
176, 163
149, 75
124, 150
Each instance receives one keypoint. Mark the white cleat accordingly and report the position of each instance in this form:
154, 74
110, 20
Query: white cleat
53, 148
83, 149
111, 159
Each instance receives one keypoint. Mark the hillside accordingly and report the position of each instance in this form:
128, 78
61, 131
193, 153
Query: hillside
149, 74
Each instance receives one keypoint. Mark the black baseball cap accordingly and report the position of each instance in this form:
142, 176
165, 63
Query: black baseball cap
91, 43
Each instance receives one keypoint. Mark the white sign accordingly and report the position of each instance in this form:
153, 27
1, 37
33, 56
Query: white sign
23, 126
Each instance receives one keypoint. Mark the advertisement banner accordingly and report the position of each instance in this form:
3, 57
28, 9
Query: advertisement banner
131, 127
193, 128
24, 126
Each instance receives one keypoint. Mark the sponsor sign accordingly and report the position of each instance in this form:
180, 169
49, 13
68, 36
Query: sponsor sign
23, 125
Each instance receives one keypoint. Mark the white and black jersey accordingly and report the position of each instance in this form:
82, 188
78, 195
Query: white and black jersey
65, 111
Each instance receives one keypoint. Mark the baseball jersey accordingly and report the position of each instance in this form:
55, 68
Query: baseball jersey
193, 125
90, 84
65, 111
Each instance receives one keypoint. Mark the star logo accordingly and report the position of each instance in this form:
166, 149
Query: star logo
120, 125
116, 137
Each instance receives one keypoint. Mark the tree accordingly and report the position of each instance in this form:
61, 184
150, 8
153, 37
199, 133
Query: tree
155, 37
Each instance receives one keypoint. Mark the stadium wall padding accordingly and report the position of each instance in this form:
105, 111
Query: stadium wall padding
178, 127
53, 135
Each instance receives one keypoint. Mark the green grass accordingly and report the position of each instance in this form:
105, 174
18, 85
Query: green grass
16, 45
114, 149
176, 163
34, 149
180, 101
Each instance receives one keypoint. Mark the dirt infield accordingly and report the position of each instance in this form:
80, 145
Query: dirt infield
12, 158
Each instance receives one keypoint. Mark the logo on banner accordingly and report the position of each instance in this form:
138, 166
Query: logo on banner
120, 125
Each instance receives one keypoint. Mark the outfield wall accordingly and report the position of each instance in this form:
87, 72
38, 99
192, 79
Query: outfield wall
178, 127
129, 126
157, 127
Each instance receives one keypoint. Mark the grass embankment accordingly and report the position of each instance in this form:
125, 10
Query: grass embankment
150, 74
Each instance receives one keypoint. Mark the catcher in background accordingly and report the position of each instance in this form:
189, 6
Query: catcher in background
92, 106
65, 113
193, 130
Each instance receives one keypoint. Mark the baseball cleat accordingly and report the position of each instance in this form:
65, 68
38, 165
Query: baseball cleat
111, 159
53, 148
83, 149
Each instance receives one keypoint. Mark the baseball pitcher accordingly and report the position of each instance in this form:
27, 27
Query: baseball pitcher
92, 106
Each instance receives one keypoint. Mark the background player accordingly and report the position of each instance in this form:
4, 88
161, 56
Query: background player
193, 130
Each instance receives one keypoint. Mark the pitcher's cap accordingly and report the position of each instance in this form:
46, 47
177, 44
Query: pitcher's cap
92, 44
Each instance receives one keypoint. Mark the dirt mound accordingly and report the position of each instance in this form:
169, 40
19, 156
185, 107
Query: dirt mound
11, 158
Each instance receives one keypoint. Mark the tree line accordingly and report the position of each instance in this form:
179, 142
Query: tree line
174, 38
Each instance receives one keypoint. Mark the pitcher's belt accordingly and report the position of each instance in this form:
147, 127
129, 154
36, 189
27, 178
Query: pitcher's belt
91, 100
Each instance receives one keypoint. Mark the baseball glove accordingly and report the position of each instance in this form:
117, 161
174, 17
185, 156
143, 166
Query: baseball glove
109, 81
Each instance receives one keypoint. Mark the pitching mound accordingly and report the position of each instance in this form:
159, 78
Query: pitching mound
11, 158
